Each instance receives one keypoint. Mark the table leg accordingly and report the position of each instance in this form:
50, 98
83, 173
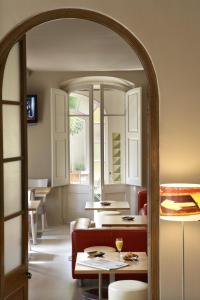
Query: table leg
96, 294
100, 286
112, 277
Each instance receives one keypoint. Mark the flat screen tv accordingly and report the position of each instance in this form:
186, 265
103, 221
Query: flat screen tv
31, 108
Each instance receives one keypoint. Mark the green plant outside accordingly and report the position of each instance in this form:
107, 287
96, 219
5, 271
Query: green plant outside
76, 125
79, 166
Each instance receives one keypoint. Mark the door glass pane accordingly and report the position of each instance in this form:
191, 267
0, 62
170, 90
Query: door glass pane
114, 141
96, 100
97, 146
11, 131
79, 103
79, 150
97, 155
12, 187
12, 242
11, 79
79, 137
114, 101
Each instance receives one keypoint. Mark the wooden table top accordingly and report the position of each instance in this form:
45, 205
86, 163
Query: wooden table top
42, 190
114, 205
133, 267
33, 205
116, 220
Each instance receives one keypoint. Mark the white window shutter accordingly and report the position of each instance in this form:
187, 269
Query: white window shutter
134, 137
59, 137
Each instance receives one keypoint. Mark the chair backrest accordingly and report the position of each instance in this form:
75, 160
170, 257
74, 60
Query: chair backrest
33, 183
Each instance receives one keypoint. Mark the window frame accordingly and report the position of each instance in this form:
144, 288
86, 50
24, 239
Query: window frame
74, 86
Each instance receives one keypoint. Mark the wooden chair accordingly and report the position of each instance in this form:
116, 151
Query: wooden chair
29, 243
32, 223
37, 183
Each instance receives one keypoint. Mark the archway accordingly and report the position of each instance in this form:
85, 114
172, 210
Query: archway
153, 135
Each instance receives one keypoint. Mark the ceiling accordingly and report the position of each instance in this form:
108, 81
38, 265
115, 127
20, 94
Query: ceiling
78, 45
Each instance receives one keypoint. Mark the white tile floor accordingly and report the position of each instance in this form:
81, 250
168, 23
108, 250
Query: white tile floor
51, 268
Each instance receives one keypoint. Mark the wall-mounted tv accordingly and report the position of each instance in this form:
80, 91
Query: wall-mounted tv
31, 108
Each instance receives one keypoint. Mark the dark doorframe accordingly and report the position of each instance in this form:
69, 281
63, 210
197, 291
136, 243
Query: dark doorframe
153, 117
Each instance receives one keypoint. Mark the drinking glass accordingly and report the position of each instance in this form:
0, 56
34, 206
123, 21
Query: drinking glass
119, 244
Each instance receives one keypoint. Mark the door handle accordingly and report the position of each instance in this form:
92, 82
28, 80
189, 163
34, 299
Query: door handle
28, 275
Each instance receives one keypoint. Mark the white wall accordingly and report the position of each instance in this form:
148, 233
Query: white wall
170, 32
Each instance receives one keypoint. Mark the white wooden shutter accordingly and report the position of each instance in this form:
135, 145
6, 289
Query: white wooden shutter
59, 137
134, 136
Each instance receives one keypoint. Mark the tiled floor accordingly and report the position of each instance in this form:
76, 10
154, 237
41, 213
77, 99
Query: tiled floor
51, 268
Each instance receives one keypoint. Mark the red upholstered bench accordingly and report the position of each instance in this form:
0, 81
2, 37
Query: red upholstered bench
135, 239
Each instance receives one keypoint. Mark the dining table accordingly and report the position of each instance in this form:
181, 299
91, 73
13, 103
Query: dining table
139, 266
123, 221
40, 191
107, 205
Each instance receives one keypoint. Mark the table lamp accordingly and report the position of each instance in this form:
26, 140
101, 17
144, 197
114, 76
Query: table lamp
180, 202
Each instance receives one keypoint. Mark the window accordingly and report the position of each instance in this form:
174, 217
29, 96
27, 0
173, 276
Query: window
102, 137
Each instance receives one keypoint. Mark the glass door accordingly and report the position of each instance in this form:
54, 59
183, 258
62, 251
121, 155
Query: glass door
79, 137
13, 174
112, 139
97, 138
80, 120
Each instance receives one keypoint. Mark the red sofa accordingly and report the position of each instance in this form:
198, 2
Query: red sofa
142, 202
135, 239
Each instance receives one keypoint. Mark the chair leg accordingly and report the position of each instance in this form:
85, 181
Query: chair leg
43, 221
34, 227
44, 216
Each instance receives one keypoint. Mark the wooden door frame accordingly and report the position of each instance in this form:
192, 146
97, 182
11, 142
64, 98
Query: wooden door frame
153, 116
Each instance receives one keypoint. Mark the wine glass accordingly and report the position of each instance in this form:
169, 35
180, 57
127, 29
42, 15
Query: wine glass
119, 244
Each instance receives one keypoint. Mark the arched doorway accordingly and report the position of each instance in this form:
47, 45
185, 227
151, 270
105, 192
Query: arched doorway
7, 43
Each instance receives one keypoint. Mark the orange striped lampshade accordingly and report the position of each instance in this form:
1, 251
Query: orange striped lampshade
180, 201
